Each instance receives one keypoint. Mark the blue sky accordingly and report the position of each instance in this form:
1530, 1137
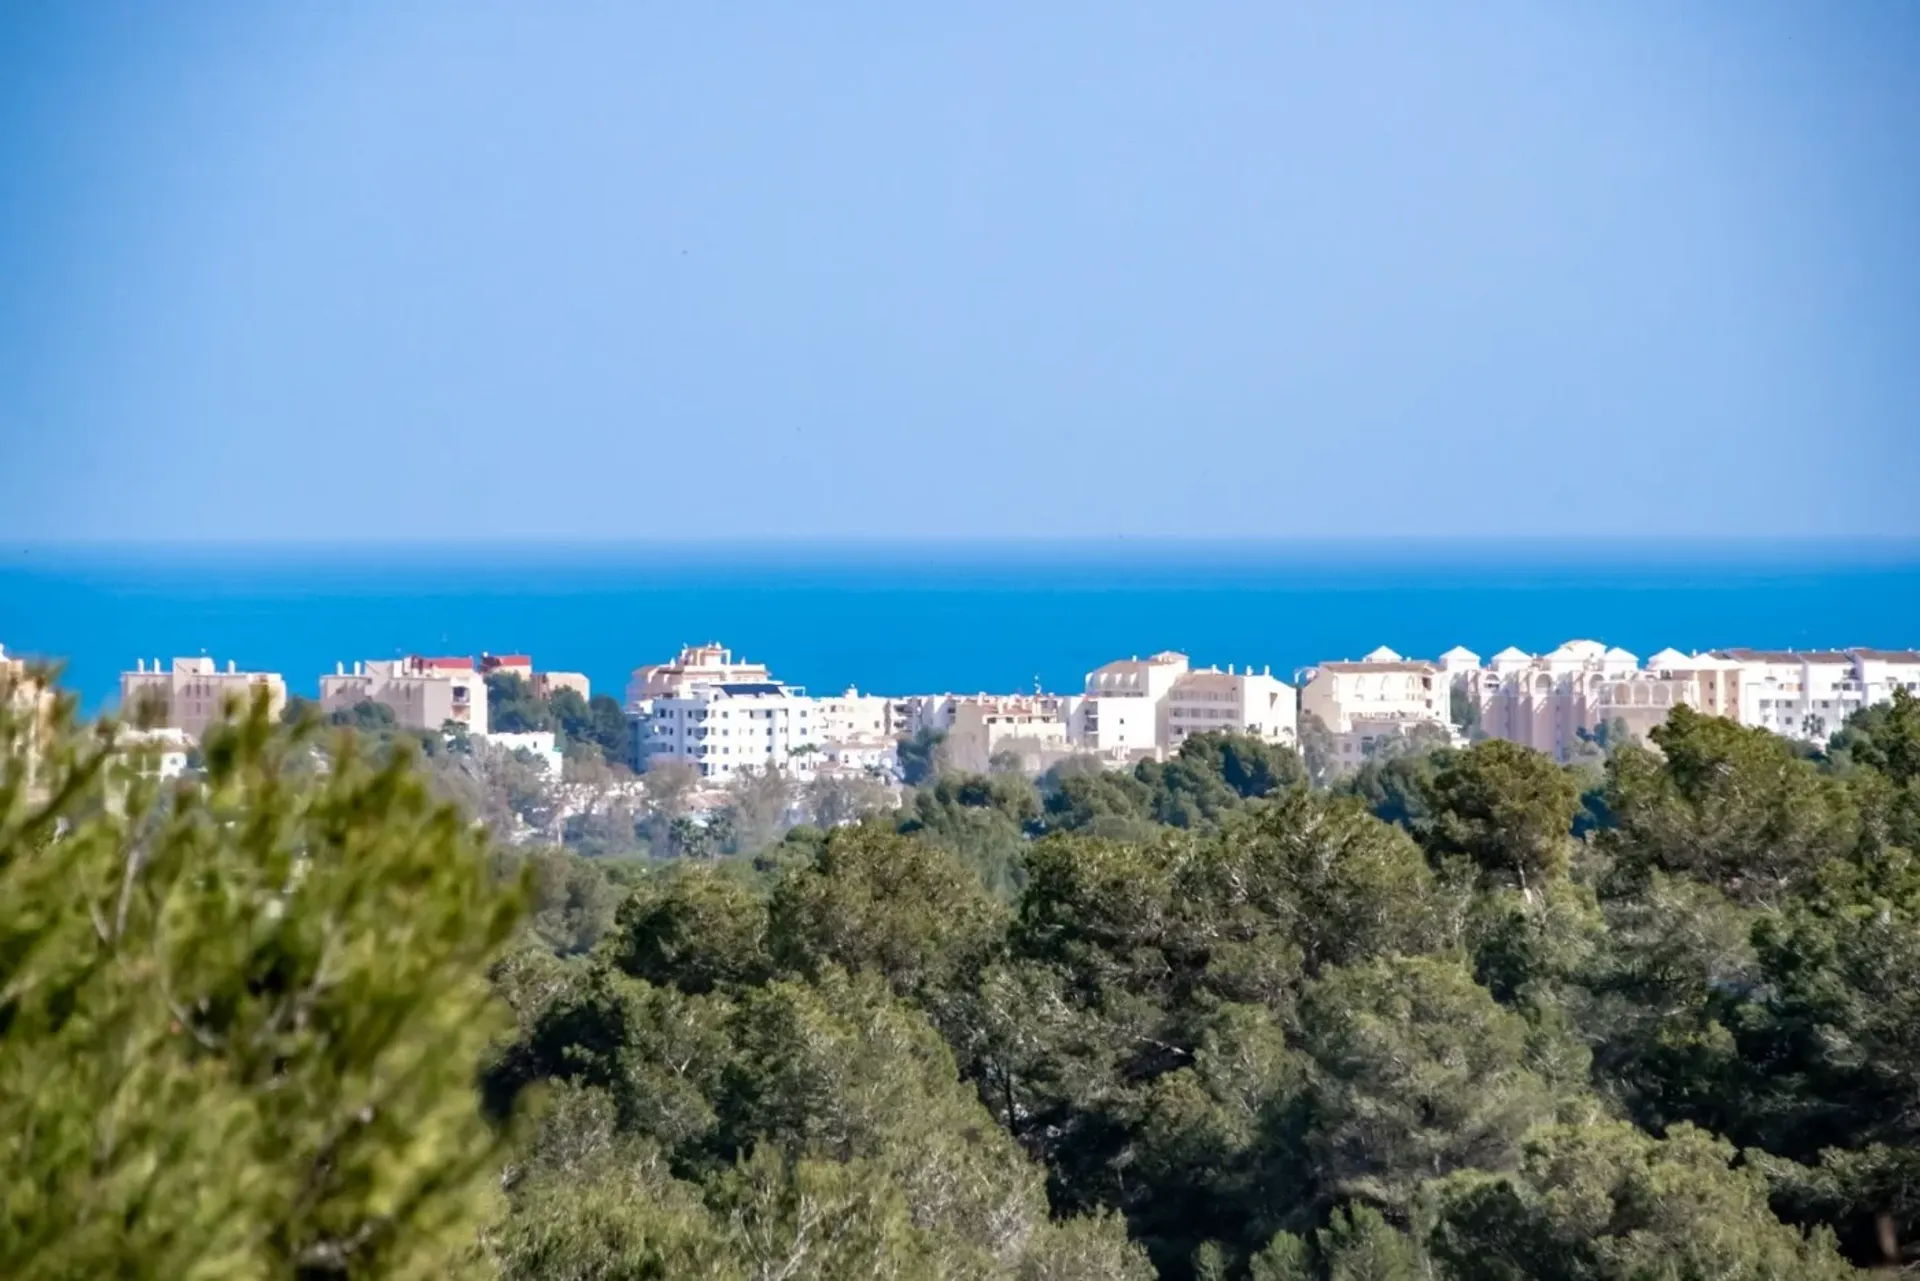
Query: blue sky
392, 270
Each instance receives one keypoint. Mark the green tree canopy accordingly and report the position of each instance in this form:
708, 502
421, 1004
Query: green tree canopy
243, 1012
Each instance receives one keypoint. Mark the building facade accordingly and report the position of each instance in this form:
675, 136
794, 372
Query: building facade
1248, 702
721, 717
1809, 694
1379, 697
1147, 707
711, 664
725, 727
423, 693
193, 693
1032, 727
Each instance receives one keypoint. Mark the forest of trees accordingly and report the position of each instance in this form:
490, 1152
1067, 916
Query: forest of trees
1464, 1014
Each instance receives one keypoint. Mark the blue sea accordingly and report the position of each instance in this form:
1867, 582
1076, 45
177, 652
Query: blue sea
910, 618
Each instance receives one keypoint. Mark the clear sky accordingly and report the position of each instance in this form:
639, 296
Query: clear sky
382, 269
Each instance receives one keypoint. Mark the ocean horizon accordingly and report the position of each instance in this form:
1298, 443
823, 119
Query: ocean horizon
919, 616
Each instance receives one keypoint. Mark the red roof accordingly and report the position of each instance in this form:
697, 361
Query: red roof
506, 660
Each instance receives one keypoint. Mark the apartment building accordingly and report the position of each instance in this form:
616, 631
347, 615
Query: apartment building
709, 664
543, 683
1122, 712
193, 693
1377, 697
854, 717
720, 716
1809, 694
423, 693
1548, 701
1137, 707
1247, 702
1030, 726
856, 734
1881, 671
910, 714
723, 727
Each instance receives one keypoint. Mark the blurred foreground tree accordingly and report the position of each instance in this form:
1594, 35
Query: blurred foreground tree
240, 1015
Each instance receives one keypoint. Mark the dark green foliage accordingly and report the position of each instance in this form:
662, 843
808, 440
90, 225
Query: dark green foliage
1733, 807
981, 819
598, 724
919, 756
1467, 1016
1885, 737
1606, 1202
366, 717
1507, 809
1399, 789
513, 707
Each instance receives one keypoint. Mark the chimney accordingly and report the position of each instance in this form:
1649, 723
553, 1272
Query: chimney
230, 666
1229, 669
339, 669
139, 664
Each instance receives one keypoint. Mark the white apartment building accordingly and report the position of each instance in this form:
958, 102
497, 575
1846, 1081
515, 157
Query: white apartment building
1139, 707
423, 693
1123, 712
1379, 696
1881, 671
1031, 726
1809, 695
193, 693
724, 727
720, 716
1249, 702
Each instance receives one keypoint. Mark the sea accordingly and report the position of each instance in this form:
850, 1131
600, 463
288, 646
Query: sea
909, 617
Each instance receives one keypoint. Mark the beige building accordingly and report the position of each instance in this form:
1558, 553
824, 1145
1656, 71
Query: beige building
1032, 727
193, 693
853, 717
1550, 702
1380, 696
423, 693
31, 701
709, 664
